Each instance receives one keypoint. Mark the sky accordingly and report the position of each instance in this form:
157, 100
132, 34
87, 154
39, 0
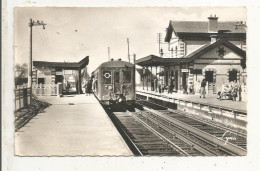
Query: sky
73, 33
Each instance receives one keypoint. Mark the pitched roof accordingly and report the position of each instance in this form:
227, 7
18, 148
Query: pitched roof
153, 60
209, 46
66, 65
202, 26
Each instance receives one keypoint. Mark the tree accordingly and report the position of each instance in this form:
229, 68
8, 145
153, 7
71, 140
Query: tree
21, 74
84, 75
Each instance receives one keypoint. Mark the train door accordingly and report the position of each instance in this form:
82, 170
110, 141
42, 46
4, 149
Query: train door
127, 82
117, 82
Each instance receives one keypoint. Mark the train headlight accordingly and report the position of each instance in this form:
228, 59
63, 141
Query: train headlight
109, 88
120, 100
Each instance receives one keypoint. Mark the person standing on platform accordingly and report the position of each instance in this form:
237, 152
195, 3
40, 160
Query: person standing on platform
160, 86
85, 87
152, 84
156, 83
236, 91
170, 87
89, 87
202, 88
67, 87
77, 86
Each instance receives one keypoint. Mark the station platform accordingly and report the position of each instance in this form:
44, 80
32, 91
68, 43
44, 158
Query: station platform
74, 125
227, 112
210, 99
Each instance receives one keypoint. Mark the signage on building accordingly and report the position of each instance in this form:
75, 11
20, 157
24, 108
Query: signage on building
44, 71
196, 71
68, 72
184, 70
58, 72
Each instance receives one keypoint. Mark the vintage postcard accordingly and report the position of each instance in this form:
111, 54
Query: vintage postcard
134, 83
130, 81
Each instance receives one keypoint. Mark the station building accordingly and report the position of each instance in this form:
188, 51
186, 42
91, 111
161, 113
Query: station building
211, 49
46, 75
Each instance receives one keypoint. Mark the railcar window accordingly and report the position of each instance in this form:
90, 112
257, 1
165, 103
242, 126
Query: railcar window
127, 76
107, 77
117, 78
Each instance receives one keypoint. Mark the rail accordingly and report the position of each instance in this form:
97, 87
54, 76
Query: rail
220, 142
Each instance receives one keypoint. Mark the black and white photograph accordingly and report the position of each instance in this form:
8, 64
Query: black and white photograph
130, 81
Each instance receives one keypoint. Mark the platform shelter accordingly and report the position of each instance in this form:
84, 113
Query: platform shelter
46, 75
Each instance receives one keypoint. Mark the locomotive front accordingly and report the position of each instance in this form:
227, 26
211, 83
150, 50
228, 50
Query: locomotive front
116, 83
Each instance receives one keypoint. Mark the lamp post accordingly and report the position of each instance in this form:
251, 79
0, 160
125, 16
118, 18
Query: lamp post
31, 24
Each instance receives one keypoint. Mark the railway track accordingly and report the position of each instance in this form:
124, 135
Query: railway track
147, 139
221, 140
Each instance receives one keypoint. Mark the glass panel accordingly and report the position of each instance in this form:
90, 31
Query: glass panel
117, 78
107, 77
126, 76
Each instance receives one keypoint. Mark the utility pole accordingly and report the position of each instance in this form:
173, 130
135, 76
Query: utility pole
134, 72
159, 41
31, 24
108, 53
128, 55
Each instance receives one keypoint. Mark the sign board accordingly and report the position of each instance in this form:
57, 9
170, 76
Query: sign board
44, 72
68, 72
184, 70
196, 71
58, 72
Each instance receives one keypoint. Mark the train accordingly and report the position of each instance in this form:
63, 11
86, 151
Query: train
114, 83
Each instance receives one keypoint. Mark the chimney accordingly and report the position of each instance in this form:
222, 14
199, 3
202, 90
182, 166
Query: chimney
213, 38
213, 24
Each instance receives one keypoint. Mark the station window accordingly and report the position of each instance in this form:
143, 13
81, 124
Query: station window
40, 80
233, 75
126, 76
209, 76
107, 77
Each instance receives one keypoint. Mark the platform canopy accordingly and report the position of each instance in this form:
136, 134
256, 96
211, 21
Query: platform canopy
66, 66
153, 60
63, 65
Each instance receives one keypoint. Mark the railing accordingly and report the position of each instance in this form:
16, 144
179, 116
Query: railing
44, 89
22, 96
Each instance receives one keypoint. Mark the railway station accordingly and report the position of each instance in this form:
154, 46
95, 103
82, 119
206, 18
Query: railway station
153, 106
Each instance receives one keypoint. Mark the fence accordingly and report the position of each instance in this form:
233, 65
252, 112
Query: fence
22, 96
44, 89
